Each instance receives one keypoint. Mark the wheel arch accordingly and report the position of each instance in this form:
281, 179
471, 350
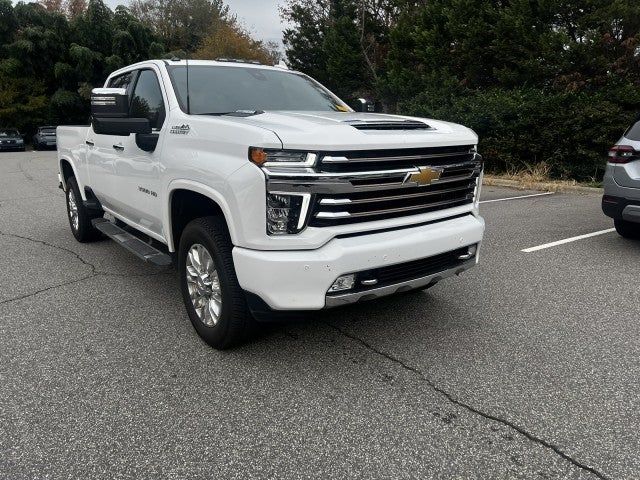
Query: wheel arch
188, 200
67, 170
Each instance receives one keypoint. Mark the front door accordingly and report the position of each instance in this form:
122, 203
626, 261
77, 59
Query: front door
138, 172
102, 155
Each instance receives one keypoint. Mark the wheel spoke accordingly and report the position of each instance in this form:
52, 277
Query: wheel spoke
192, 274
73, 209
203, 284
215, 307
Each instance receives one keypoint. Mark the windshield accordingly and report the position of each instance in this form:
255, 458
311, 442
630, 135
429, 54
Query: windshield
8, 133
48, 131
218, 90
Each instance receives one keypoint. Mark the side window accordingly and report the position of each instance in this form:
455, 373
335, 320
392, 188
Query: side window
633, 133
147, 101
121, 81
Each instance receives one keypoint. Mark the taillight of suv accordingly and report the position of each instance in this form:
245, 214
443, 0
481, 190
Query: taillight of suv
622, 154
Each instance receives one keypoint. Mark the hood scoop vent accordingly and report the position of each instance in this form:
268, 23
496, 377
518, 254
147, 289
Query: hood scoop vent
388, 125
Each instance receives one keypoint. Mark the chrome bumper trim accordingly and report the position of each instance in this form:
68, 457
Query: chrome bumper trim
349, 298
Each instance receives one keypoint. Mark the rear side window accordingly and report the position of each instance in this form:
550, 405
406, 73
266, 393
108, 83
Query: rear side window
147, 101
121, 81
633, 133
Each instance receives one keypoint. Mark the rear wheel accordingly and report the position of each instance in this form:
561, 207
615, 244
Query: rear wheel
214, 300
80, 216
627, 229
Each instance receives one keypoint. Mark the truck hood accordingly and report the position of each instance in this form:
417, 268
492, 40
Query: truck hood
345, 131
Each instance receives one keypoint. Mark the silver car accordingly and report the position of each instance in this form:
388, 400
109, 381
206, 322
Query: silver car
621, 200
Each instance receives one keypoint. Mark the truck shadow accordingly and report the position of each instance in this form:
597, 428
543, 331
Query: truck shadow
408, 313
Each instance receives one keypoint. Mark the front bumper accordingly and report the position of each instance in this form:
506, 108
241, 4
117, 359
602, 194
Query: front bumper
12, 147
300, 280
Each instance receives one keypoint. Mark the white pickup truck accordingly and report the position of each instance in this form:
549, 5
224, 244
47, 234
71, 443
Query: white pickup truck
267, 191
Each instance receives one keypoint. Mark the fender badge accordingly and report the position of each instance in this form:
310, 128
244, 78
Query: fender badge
180, 129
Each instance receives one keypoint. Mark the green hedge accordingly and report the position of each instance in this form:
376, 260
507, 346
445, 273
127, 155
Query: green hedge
519, 128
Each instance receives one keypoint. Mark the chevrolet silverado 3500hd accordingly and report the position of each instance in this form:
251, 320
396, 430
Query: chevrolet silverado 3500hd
269, 192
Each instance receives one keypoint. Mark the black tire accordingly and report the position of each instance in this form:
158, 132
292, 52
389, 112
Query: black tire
627, 229
84, 232
234, 323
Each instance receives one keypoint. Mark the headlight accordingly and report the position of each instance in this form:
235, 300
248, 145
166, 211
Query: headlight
283, 158
286, 213
19, 141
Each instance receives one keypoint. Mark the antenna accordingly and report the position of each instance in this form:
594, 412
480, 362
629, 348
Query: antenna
188, 99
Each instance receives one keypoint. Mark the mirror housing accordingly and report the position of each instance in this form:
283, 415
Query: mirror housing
363, 105
109, 103
120, 126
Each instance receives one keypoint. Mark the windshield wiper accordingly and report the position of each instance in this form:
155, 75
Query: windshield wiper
235, 113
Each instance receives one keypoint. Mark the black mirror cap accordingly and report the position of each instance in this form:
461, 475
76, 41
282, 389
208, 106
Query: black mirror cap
120, 126
109, 103
364, 105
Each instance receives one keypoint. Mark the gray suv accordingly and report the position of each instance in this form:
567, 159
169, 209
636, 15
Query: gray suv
621, 200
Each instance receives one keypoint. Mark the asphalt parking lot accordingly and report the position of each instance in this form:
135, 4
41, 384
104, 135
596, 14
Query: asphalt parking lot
527, 366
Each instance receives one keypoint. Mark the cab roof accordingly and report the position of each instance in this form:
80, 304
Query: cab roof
227, 62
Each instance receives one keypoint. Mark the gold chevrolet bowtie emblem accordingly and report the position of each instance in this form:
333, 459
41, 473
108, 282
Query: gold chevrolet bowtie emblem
426, 176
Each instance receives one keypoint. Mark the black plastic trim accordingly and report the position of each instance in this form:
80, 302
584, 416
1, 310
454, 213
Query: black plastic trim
613, 206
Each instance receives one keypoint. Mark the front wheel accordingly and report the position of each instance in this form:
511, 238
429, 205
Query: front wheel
627, 229
213, 298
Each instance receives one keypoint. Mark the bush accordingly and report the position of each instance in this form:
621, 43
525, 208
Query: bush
519, 128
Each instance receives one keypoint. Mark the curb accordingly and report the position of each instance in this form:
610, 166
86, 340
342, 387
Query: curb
540, 186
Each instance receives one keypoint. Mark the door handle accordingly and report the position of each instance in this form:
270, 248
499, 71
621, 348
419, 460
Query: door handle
118, 148
90, 143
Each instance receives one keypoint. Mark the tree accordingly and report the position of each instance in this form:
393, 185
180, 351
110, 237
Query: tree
52, 5
181, 24
75, 8
541, 81
343, 43
8, 23
230, 41
49, 62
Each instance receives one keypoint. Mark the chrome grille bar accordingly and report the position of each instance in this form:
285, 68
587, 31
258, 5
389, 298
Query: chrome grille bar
427, 193
426, 157
369, 213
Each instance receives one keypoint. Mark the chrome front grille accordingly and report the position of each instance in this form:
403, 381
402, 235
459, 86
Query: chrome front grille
359, 186
376, 205
395, 194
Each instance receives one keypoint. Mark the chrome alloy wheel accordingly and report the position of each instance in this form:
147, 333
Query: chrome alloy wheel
73, 209
204, 285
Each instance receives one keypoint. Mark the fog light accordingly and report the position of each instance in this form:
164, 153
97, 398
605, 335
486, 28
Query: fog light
344, 282
471, 252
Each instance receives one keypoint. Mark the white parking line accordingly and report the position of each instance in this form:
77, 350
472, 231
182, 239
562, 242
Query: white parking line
516, 198
567, 240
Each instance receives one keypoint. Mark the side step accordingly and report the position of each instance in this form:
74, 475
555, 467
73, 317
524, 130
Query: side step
132, 243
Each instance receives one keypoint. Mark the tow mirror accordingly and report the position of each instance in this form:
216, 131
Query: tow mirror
110, 116
109, 103
363, 105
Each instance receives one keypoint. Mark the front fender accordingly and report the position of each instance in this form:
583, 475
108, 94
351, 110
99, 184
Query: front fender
216, 196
